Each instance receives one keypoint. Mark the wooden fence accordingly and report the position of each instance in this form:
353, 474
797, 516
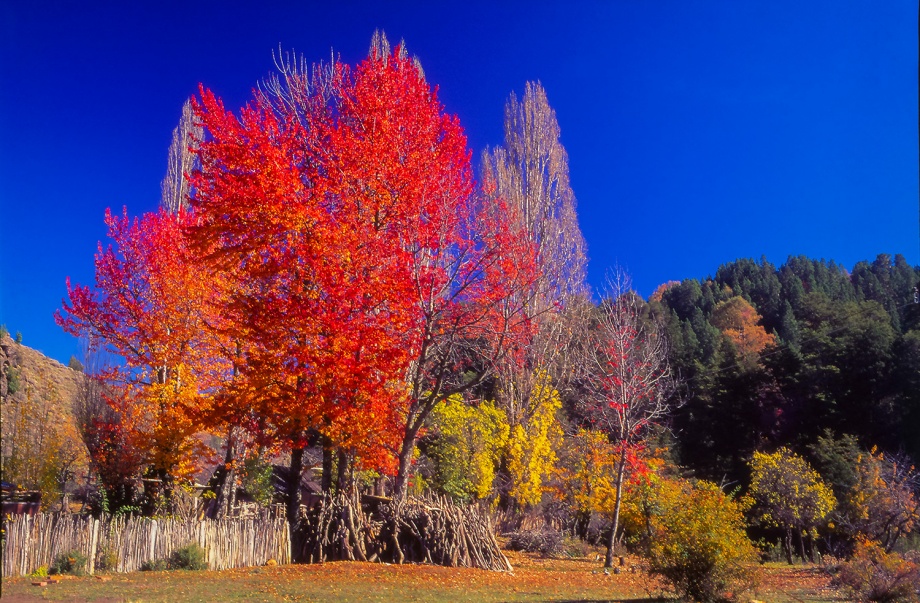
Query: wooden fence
34, 541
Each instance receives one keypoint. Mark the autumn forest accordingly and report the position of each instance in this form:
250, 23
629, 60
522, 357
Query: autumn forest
340, 305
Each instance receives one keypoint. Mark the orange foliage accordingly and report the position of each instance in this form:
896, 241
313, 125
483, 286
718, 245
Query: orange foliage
740, 322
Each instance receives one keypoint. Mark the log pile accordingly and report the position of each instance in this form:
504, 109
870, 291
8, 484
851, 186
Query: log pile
431, 529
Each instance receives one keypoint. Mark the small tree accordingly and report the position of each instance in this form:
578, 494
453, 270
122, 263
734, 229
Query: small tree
740, 322
881, 505
467, 445
789, 494
630, 379
75, 364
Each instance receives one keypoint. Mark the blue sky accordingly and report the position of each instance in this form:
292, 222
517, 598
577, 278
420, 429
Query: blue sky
698, 132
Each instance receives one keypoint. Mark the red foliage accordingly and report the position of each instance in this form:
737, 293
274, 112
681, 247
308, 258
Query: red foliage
336, 267
151, 306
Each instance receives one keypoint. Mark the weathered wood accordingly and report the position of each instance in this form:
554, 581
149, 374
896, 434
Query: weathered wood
431, 530
36, 541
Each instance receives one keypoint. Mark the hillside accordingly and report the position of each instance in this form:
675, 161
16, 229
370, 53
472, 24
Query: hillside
781, 356
41, 446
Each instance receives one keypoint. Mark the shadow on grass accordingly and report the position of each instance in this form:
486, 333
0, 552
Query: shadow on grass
642, 600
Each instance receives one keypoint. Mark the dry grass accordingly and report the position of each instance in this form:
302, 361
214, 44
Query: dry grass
534, 579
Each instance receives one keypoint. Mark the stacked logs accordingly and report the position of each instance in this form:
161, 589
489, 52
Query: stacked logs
430, 529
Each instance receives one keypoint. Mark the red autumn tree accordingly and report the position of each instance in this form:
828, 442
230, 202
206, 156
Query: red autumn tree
630, 381
149, 307
371, 274
321, 181
468, 266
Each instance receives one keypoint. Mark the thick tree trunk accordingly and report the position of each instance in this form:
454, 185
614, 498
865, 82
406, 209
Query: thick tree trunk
293, 486
342, 480
611, 543
582, 521
168, 487
226, 484
401, 482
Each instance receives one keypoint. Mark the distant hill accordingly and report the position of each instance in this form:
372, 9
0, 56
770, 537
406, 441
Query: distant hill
776, 356
38, 372
41, 446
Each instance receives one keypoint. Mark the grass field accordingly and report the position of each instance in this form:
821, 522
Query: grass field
534, 579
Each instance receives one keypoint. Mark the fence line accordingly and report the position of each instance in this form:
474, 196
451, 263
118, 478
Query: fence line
33, 541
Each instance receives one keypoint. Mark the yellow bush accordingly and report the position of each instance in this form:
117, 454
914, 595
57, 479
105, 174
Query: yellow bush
698, 542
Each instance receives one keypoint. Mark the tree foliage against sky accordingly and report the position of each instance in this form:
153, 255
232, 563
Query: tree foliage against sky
335, 275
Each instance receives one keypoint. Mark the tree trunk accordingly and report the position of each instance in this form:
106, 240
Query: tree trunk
293, 486
802, 547
226, 483
328, 463
401, 482
787, 545
341, 482
611, 543
582, 521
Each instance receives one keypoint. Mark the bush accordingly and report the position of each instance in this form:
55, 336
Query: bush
75, 364
545, 542
40, 572
189, 557
73, 563
698, 544
12, 381
157, 565
106, 561
257, 480
874, 575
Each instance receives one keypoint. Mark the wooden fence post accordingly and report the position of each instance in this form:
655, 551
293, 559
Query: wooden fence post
93, 541
153, 540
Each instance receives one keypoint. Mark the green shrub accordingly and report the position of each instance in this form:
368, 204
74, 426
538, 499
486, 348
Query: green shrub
189, 557
698, 543
73, 563
257, 480
874, 575
40, 572
18, 337
12, 381
75, 364
106, 561
157, 565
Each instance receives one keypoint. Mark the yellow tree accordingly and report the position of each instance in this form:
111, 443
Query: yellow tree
531, 453
787, 493
587, 460
530, 174
467, 446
